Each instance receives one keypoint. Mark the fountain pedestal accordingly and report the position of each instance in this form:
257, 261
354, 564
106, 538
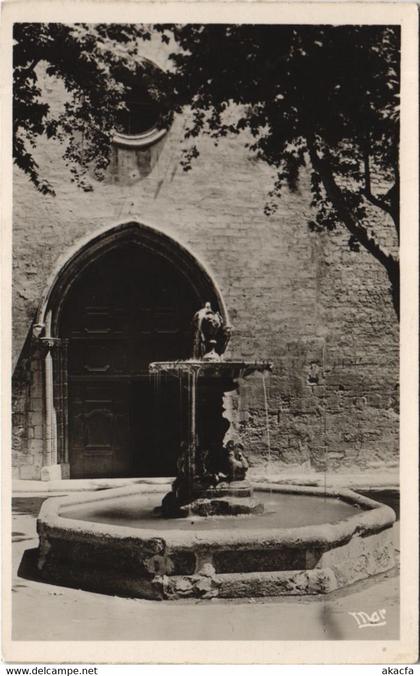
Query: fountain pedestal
210, 472
225, 499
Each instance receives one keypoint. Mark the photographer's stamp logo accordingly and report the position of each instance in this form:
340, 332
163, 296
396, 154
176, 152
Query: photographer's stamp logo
375, 619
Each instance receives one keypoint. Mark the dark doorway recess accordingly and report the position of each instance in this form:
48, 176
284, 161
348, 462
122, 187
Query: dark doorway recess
129, 307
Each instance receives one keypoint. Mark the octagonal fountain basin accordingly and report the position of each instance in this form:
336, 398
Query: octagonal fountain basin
308, 541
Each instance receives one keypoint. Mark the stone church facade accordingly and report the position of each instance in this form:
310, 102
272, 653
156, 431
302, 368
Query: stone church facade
107, 281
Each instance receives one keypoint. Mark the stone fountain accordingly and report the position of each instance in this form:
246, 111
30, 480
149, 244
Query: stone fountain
212, 466
213, 533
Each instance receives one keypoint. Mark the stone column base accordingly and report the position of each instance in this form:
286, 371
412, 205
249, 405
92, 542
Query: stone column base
55, 472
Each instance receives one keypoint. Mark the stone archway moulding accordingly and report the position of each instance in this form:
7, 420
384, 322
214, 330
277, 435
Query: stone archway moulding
46, 326
92, 247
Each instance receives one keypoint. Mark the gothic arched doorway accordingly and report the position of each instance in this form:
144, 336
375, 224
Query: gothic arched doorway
124, 301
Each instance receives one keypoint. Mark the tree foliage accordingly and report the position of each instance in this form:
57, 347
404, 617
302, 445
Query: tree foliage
330, 94
98, 65
327, 94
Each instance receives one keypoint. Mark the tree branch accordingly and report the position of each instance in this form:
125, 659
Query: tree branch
393, 195
28, 67
373, 199
388, 261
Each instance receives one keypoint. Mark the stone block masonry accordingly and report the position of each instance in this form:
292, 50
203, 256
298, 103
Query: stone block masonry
320, 312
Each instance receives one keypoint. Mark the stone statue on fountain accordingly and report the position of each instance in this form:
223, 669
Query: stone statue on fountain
211, 334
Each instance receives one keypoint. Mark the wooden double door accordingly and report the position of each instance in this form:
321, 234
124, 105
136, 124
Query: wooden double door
128, 308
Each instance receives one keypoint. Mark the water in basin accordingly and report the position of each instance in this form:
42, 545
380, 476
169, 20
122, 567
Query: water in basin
282, 510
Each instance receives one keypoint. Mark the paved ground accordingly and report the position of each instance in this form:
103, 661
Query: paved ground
370, 478
47, 612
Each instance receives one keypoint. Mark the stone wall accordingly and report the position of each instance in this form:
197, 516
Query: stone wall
320, 312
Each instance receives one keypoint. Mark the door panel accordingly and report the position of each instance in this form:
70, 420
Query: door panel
155, 426
128, 308
99, 438
92, 355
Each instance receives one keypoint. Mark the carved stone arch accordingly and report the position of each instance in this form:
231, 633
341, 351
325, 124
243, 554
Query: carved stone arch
91, 248
47, 327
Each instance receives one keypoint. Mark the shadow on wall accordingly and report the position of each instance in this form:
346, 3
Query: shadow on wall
21, 386
20, 359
